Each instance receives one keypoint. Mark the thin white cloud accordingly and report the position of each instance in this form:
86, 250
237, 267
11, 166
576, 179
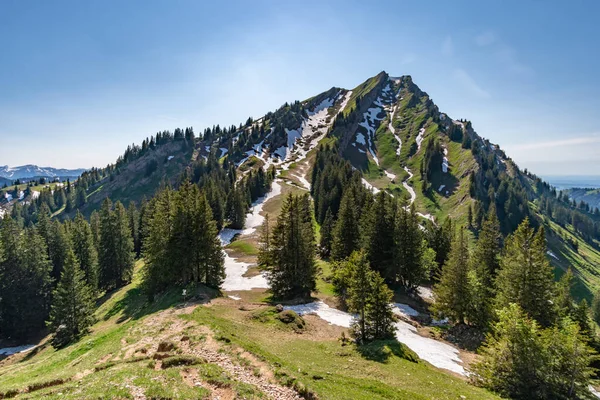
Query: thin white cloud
408, 58
485, 38
505, 54
470, 84
556, 143
448, 46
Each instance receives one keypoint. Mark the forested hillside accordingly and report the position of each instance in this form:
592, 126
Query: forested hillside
327, 249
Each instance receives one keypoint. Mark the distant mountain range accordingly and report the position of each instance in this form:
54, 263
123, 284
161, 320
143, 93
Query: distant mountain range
33, 171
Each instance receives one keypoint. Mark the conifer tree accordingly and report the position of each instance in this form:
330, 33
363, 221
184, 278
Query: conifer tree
25, 283
485, 262
359, 290
292, 251
73, 306
346, 237
525, 276
452, 293
366, 294
85, 251
158, 230
116, 247
236, 208
380, 236
407, 267
327, 234
520, 360
380, 316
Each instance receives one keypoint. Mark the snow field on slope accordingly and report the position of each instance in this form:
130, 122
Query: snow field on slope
438, 354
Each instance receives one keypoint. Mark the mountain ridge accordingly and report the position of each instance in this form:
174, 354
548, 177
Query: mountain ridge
34, 171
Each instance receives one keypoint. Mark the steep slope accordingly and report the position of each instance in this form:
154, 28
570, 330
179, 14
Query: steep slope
589, 196
391, 131
394, 133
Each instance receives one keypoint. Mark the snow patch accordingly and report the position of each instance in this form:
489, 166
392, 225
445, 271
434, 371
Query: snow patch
223, 151
170, 158
389, 175
420, 138
425, 293
404, 310
253, 218
331, 315
235, 279
439, 354
234, 297
369, 186
441, 188
551, 254
445, 163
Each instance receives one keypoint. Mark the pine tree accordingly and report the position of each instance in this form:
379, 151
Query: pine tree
366, 294
522, 361
452, 293
525, 276
359, 290
236, 208
158, 230
346, 231
407, 267
380, 235
292, 251
484, 265
116, 247
134, 224
25, 283
327, 234
72, 307
85, 251
379, 314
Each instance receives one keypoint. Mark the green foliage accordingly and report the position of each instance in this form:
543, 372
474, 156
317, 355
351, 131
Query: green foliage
289, 257
182, 244
73, 304
366, 294
523, 361
115, 248
525, 276
85, 250
453, 294
25, 283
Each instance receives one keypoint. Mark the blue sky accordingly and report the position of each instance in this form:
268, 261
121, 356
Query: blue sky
79, 81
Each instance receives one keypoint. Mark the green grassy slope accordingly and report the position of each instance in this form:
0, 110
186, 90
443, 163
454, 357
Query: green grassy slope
119, 359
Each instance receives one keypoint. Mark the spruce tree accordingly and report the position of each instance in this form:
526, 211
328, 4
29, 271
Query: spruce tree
407, 267
292, 250
380, 236
25, 283
525, 276
452, 293
116, 247
359, 290
326, 234
85, 251
72, 306
485, 262
346, 236
379, 314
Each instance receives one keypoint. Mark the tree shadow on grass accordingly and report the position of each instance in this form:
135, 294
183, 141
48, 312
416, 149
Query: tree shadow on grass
135, 303
382, 350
